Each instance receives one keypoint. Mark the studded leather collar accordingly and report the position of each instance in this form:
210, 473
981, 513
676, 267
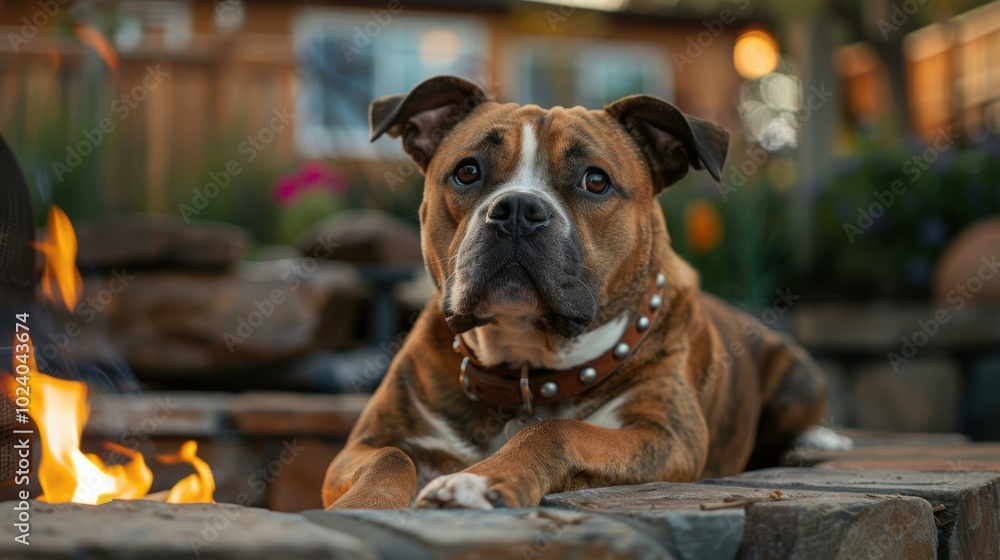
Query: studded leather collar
533, 387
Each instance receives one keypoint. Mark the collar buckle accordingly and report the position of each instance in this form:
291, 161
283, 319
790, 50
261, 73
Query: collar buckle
527, 409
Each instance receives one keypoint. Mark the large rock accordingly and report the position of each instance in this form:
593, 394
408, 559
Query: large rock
366, 237
159, 241
182, 324
155, 531
807, 524
968, 262
968, 525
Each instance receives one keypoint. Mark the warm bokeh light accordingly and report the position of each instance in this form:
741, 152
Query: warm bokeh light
703, 225
439, 46
95, 40
755, 54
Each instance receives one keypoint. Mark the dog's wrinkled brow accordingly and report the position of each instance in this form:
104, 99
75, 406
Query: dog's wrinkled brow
491, 138
576, 150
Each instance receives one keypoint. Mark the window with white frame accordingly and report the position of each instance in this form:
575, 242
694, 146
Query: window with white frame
569, 73
345, 58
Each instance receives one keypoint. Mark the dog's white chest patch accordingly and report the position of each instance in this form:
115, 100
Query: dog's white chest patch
517, 341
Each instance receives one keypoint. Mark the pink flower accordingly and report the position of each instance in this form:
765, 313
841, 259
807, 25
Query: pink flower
310, 176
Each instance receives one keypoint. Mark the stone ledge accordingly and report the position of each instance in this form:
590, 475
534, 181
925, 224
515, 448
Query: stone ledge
826, 513
158, 531
807, 524
968, 526
497, 535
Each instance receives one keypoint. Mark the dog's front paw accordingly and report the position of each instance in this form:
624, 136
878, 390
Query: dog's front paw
459, 491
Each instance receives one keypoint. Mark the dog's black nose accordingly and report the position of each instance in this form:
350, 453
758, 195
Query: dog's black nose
517, 213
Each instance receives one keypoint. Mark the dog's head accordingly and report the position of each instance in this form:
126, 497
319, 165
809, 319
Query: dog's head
540, 212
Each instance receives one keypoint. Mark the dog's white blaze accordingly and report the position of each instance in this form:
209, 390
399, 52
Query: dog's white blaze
531, 177
441, 437
529, 173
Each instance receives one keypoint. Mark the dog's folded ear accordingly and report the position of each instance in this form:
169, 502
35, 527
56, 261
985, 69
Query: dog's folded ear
670, 140
425, 115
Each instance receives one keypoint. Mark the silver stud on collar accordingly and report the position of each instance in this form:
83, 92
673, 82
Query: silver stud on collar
621, 350
548, 390
588, 375
660, 280
642, 323
655, 301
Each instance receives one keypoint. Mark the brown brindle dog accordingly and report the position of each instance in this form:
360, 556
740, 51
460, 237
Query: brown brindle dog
567, 345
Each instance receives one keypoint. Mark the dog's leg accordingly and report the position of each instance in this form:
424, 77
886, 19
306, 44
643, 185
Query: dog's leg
794, 399
365, 477
663, 437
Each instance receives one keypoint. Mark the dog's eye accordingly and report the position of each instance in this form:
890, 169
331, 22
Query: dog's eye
595, 181
467, 172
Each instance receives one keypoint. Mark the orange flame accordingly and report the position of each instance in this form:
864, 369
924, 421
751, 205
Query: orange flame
93, 39
197, 487
66, 474
59, 249
59, 409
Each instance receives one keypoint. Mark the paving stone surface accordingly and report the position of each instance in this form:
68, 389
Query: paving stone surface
806, 524
520, 534
968, 526
150, 530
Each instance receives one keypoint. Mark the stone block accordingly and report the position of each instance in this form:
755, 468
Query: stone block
295, 414
968, 525
158, 241
805, 524
158, 531
497, 535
